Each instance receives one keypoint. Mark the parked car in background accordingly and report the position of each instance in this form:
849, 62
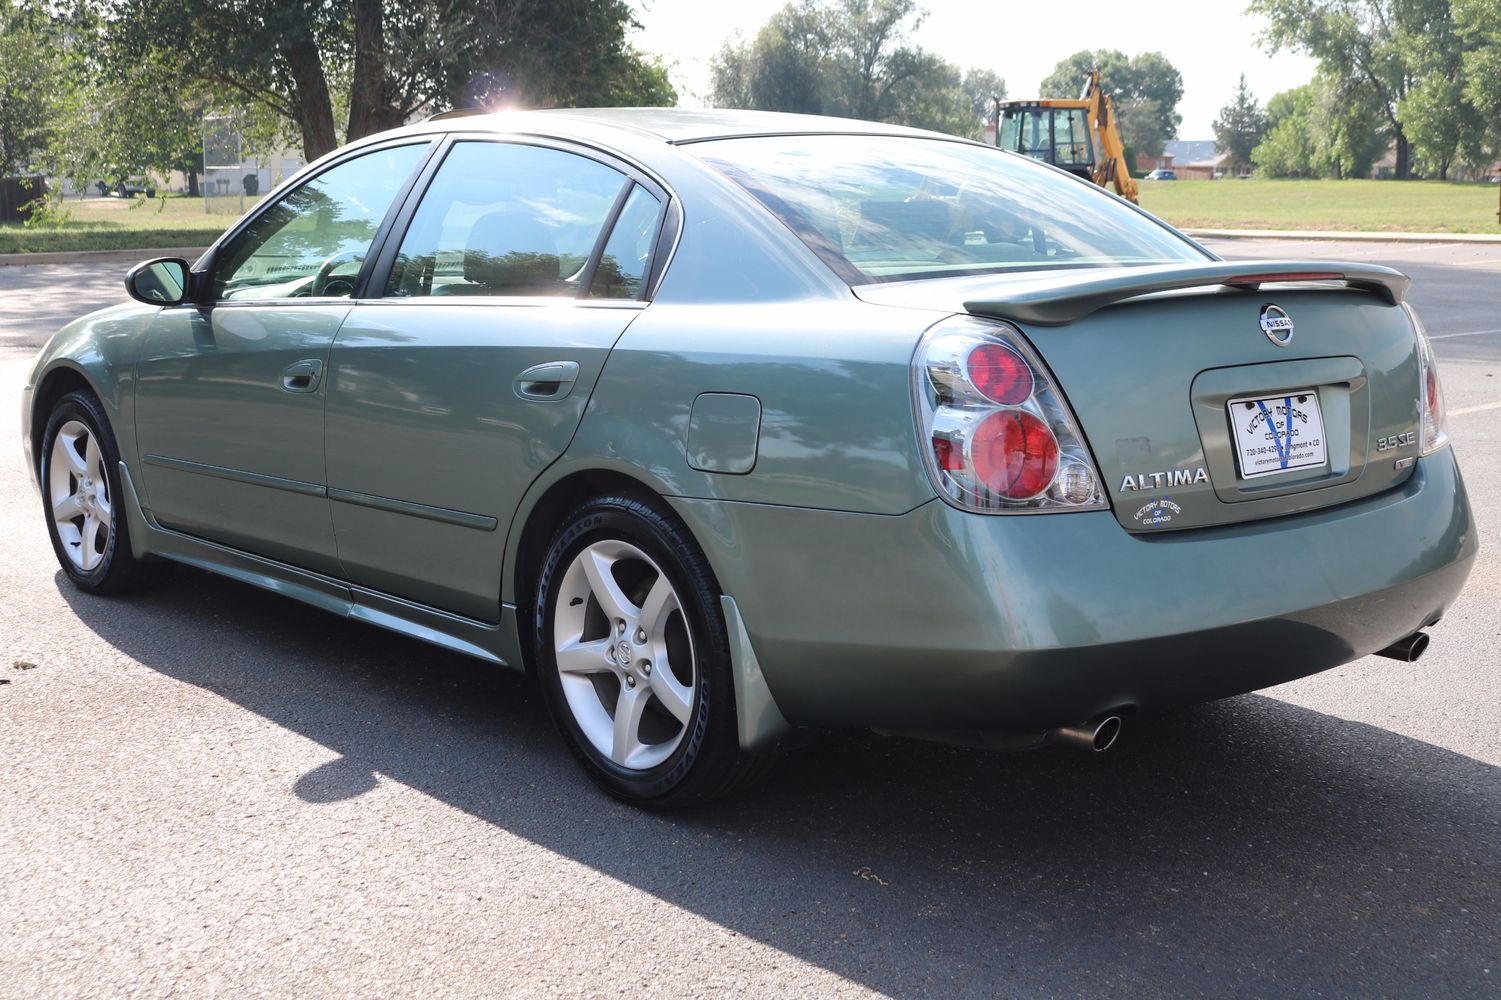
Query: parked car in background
726, 424
1162, 175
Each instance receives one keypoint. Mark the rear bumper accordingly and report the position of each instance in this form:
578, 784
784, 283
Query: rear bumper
938, 618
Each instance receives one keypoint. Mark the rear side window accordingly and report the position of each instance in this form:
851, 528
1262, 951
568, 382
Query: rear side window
627, 257
506, 219
892, 208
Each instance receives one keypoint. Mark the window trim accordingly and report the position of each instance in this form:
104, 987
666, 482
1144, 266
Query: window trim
202, 272
668, 219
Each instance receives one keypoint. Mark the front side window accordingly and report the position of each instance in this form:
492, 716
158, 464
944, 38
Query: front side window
506, 219
313, 241
892, 208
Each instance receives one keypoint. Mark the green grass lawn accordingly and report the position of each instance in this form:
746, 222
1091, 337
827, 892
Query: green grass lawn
124, 224
1410, 206
1376, 206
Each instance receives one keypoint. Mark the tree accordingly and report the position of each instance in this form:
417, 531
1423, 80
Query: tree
1385, 45
392, 61
1131, 82
33, 85
1324, 128
1139, 120
852, 58
984, 88
1240, 125
1479, 27
1288, 147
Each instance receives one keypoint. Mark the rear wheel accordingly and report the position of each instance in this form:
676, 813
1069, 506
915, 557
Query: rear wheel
81, 493
633, 658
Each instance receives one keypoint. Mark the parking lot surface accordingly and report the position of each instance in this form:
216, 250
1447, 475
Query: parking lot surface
206, 790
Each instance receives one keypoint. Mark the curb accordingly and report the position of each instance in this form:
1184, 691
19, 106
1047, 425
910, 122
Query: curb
98, 256
1338, 236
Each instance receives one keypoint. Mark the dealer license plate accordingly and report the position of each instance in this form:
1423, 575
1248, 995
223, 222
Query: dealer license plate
1275, 434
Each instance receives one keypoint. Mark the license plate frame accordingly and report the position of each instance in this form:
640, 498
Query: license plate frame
1296, 441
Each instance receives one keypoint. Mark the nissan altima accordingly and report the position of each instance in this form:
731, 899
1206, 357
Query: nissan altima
728, 425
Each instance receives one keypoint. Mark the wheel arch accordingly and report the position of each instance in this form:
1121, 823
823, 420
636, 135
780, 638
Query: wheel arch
541, 514
63, 378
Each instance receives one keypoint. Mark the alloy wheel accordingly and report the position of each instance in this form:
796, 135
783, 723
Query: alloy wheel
624, 654
78, 489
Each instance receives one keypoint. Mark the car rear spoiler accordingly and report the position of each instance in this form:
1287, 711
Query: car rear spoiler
1062, 297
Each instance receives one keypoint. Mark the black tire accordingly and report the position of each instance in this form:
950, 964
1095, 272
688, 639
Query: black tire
117, 569
707, 761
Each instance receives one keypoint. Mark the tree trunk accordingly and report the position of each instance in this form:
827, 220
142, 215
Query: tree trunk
192, 182
369, 112
1404, 157
315, 110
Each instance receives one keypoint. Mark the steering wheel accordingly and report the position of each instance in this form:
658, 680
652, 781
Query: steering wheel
321, 282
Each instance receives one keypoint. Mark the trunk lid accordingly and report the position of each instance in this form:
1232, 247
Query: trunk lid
1160, 365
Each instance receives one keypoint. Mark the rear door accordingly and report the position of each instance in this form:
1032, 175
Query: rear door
231, 391
520, 267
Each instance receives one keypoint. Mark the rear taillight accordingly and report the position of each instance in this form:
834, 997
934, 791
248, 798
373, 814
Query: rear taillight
1430, 392
998, 438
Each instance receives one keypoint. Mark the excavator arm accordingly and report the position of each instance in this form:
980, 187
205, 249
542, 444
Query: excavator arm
1110, 169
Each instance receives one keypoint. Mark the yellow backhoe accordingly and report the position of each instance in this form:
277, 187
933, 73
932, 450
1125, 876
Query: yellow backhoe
1077, 136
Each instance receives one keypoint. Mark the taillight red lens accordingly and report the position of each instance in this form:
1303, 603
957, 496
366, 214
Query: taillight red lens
1015, 454
1433, 397
1000, 374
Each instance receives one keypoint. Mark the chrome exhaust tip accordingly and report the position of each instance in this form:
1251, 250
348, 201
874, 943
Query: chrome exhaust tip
1407, 650
1096, 737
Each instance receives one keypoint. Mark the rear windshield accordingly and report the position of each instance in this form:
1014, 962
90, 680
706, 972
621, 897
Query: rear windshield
887, 208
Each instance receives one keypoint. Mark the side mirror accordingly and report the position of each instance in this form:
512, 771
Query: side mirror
160, 282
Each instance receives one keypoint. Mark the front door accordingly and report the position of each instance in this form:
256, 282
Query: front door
454, 390
231, 391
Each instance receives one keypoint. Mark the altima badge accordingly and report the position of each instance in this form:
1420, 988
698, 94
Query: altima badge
1159, 480
1276, 324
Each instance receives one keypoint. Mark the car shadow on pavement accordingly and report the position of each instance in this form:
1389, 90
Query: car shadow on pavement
1249, 847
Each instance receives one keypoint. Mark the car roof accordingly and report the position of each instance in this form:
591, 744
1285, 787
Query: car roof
677, 125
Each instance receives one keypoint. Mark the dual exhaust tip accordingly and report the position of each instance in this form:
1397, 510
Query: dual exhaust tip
1095, 737
1407, 650
1101, 734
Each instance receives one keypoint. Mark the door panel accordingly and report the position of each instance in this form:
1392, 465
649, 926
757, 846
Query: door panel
229, 453
230, 395
431, 444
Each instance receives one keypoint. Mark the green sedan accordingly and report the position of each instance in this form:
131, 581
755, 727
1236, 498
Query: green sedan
729, 425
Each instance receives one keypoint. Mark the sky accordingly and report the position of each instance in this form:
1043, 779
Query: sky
1210, 41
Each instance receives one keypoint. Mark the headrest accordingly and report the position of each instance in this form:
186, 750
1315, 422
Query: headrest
512, 253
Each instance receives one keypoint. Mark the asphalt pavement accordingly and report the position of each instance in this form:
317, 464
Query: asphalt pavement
206, 789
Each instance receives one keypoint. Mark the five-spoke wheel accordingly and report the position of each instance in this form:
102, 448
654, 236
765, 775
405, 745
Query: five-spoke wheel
624, 655
78, 489
633, 658
81, 490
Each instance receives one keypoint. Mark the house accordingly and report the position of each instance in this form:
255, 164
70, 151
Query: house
1197, 159
1146, 164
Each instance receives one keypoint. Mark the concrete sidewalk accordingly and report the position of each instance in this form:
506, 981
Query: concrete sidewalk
1342, 236
99, 256
193, 253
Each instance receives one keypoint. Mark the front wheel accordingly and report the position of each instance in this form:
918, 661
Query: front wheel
633, 659
81, 492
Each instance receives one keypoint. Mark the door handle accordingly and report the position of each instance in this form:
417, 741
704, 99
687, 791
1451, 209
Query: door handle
550, 380
302, 376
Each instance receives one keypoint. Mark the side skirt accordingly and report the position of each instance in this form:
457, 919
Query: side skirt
496, 644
